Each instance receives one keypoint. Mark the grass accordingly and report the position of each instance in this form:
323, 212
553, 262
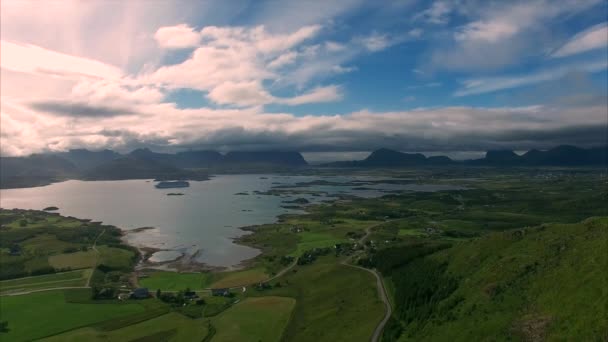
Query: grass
174, 281
539, 283
47, 313
238, 278
116, 258
64, 279
310, 240
169, 327
254, 319
74, 260
331, 300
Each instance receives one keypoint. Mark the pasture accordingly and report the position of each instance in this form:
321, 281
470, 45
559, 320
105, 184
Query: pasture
254, 319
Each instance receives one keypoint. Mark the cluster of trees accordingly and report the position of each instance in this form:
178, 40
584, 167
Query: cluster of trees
104, 292
309, 256
420, 283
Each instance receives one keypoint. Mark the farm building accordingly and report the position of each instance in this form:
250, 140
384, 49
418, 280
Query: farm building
140, 293
220, 292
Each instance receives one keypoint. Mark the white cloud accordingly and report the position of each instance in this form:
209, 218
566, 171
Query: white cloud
283, 60
334, 46
375, 42
487, 31
491, 84
177, 37
243, 94
415, 33
595, 37
27, 58
317, 95
437, 14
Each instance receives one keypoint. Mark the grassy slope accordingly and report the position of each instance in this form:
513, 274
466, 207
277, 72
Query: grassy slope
537, 283
254, 319
45, 313
236, 278
333, 302
74, 260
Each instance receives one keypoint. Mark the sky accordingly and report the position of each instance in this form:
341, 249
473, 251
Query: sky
336, 77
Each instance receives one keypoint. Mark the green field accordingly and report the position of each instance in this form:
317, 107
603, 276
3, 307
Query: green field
175, 281
331, 299
74, 260
310, 240
169, 327
254, 319
64, 279
238, 278
47, 313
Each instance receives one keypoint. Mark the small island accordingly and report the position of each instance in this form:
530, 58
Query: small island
172, 184
175, 194
51, 208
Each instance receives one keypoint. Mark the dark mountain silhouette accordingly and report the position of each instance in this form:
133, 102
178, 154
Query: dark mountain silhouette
84, 159
35, 170
387, 158
131, 167
564, 155
197, 159
282, 158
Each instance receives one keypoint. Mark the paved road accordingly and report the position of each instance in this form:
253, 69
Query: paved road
43, 290
379, 283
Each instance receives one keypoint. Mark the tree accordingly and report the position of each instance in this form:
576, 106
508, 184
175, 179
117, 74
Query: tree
3, 326
158, 293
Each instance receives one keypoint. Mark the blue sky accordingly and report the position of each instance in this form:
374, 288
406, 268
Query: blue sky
315, 76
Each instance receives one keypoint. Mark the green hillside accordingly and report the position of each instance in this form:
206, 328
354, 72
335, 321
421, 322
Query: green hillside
542, 283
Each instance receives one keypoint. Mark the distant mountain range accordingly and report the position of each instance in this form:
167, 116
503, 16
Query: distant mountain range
41, 169
559, 156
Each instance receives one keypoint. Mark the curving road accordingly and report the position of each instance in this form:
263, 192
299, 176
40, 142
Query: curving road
379, 283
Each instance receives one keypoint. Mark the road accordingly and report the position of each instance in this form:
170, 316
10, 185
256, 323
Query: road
94, 247
379, 283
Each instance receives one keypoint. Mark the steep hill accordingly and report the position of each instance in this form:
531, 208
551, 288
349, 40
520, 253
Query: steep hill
139, 168
533, 284
35, 170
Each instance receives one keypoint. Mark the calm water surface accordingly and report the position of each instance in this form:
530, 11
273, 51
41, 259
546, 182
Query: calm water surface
205, 219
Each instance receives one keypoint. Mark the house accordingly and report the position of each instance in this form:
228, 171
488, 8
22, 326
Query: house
140, 293
190, 295
15, 250
220, 292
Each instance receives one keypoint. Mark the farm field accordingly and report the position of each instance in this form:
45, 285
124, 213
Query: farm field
47, 313
74, 260
254, 319
64, 279
238, 278
174, 281
330, 299
169, 327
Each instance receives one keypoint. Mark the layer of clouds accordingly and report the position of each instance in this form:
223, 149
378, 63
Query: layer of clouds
434, 129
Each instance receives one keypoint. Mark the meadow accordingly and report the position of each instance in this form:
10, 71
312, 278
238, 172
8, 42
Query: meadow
254, 319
